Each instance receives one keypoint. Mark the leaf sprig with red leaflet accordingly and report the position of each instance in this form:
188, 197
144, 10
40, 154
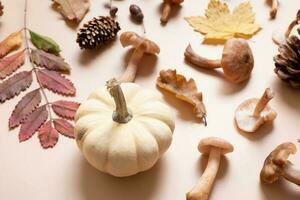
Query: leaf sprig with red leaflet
34, 113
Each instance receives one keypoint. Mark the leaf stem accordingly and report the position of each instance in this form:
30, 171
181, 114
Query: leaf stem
34, 68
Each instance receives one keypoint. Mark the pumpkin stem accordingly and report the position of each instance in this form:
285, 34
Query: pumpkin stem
121, 114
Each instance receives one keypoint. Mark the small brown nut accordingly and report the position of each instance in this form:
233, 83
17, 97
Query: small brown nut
136, 13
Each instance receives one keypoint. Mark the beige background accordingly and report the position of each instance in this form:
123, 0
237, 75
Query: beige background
29, 172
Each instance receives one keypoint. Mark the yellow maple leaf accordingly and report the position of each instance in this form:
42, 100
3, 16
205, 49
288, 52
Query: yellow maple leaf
219, 24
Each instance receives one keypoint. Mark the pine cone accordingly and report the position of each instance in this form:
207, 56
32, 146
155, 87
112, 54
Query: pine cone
287, 62
97, 31
1, 8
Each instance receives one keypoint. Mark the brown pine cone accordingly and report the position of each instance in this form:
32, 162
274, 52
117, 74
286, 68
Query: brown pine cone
287, 62
97, 32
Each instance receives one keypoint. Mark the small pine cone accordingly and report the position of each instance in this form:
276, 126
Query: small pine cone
97, 31
287, 62
1, 8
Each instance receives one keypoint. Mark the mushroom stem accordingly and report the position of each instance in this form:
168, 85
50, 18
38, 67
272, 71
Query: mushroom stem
290, 28
202, 189
293, 24
191, 56
131, 70
274, 8
166, 12
291, 174
121, 114
263, 101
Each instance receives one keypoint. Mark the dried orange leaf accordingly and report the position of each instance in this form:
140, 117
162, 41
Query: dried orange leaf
12, 42
219, 24
185, 90
73, 9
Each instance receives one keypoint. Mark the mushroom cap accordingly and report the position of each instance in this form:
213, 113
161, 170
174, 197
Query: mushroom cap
246, 121
133, 39
237, 60
206, 144
276, 161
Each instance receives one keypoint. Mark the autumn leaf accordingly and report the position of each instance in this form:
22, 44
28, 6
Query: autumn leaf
14, 85
48, 135
50, 61
33, 123
56, 82
219, 24
24, 108
65, 109
64, 127
44, 43
73, 9
11, 63
183, 89
12, 42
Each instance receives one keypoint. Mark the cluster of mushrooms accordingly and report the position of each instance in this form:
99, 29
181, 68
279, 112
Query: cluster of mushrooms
237, 63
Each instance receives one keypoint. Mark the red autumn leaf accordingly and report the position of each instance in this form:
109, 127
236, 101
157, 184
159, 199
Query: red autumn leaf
33, 123
56, 82
64, 127
48, 135
25, 107
49, 61
65, 109
11, 63
14, 85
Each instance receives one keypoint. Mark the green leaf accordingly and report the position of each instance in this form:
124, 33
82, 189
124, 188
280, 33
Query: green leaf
44, 43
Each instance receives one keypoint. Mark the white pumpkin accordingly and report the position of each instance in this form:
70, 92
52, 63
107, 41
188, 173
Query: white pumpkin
122, 141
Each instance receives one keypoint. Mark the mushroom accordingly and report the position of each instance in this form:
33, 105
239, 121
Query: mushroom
274, 6
214, 147
277, 165
237, 60
141, 45
279, 37
167, 6
253, 113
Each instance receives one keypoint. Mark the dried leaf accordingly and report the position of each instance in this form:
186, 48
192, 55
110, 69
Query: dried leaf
44, 43
73, 9
48, 135
12, 42
65, 109
14, 85
185, 90
50, 61
24, 108
219, 24
56, 82
33, 123
64, 127
11, 63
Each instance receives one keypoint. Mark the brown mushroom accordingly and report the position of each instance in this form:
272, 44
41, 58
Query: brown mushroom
253, 113
214, 147
167, 7
237, 60
141, 46
279, 37
277, 165
274, 7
